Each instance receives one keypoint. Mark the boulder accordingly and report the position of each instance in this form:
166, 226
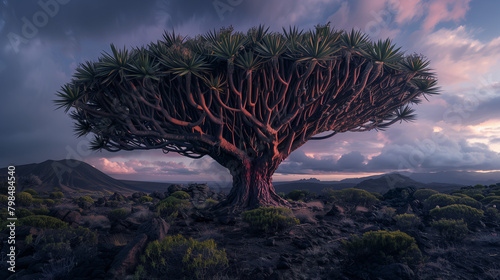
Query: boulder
127, 259
155, 229
173, 188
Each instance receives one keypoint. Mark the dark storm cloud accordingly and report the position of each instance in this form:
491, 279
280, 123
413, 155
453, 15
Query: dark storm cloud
300, 163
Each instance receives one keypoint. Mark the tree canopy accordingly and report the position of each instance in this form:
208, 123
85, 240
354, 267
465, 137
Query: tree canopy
245, 99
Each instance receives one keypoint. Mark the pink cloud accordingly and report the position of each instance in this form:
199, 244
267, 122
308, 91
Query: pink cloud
444, 10
409, 10
113, 167
457, 56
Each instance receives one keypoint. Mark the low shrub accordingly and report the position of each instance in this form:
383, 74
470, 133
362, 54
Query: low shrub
56, 195
144, 199
384, 247
49, 202
458, 211
407, 222
270, 219
181, 195
423, 194
181, 258
442, 200
210, 202
493, 213
489, 199
23, 212
24, 199
451, 229
118, 214
40, 211
42, 221
298, 195
171, 204
354, 196
31, 191
113, 204
85, 202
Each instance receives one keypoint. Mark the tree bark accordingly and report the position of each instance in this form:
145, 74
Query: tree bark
252, 187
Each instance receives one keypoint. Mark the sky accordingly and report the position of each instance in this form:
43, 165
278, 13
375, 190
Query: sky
42, 42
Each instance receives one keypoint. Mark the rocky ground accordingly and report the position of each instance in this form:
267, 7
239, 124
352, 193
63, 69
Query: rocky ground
311, 250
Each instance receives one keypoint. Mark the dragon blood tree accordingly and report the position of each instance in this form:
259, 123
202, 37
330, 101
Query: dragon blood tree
246, 100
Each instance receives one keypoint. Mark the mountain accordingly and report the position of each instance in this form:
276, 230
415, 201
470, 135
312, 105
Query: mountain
69, 176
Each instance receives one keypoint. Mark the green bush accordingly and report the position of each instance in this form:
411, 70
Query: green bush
40, 211
493, 213
384, 247
113, 203
440, 200
85, 202
49, 202
423, 194
407, 221
477, 196
489, 199
210, 202
451, 229
38, 202
458, 211
297, 195
118, 214
56, 195
31, 191
144, 199
181, 258
23, 212
181, 195
495, 202
170, 205
42, 221
354, 196
270, 219
24, 199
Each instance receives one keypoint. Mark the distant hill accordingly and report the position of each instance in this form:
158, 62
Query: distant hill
69, 176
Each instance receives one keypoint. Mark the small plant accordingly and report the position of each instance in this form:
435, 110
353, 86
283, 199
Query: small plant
181, 258
24, 199
354, 196
210, 202
40, 211
118, 214
270, 219
85, 202
451, 229
384, 247
181, 195
49, 202
113, 204
41, 221
458, 211
423, 194
23, 212
298, 195
440, 200
170, 205
144, 199
407, 222
56, 195
31, 191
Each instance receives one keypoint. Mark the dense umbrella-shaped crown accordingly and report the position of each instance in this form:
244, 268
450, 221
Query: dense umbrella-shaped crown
246, 100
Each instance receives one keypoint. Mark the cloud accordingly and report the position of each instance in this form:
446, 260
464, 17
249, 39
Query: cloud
444, 10
457, 56
114, 167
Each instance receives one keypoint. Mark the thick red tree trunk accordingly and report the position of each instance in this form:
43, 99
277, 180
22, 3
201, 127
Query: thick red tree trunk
252, 187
